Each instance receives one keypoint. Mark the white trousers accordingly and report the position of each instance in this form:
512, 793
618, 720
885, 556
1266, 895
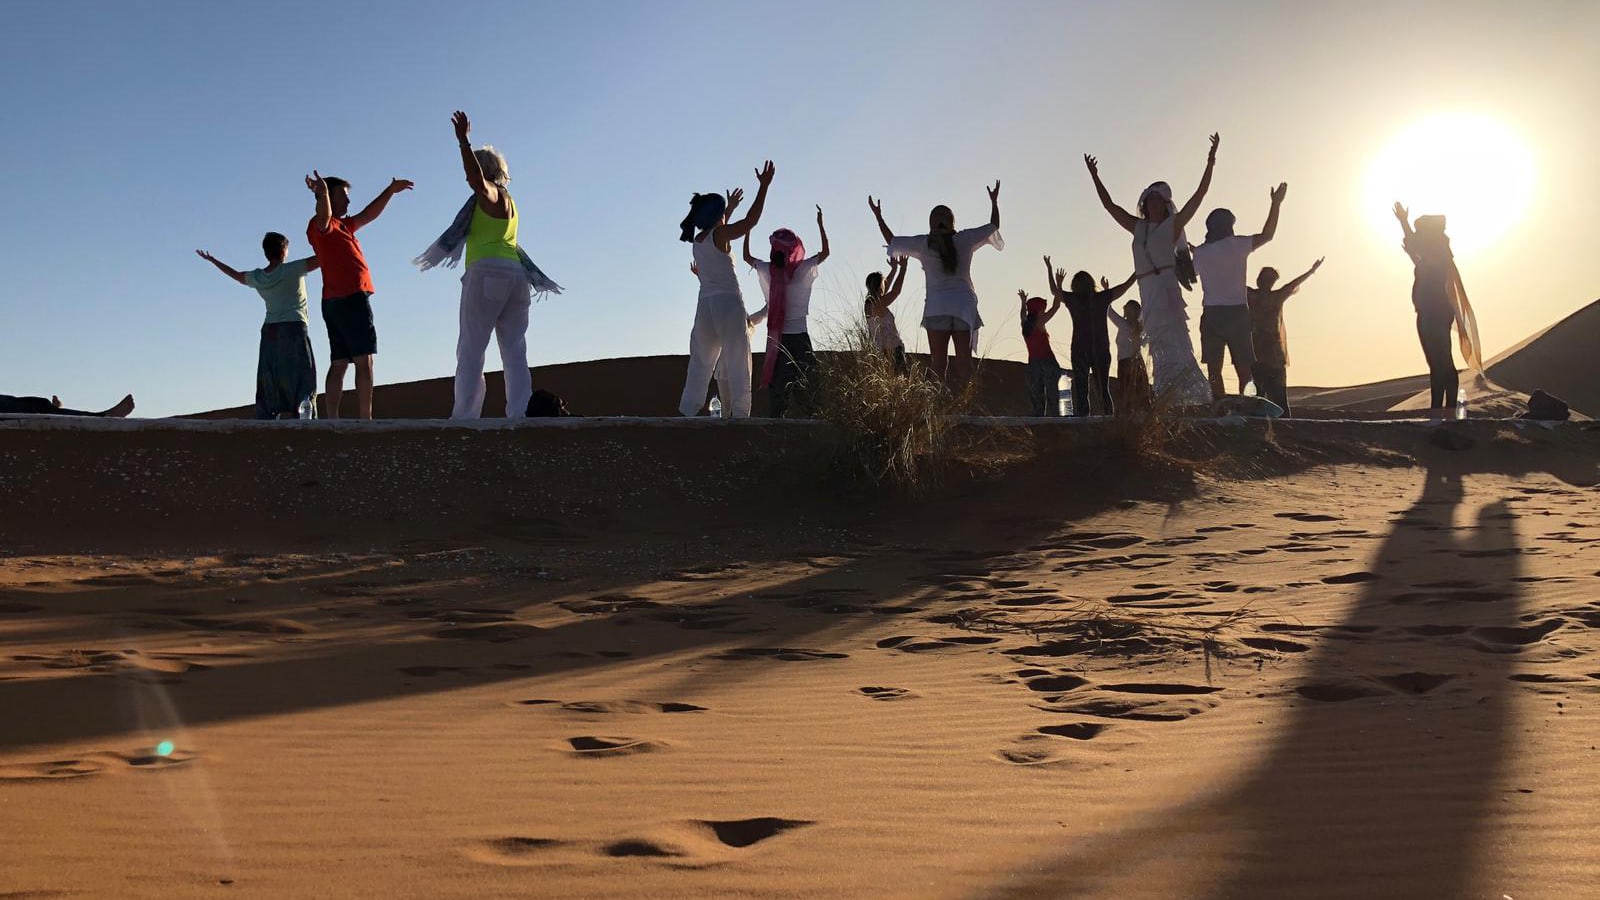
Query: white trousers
495, 299
719, 342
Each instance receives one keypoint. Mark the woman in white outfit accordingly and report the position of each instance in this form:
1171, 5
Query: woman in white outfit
1158, 236
498, 287
721, 325
950, 313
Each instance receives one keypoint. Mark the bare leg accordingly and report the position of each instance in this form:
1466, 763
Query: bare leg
364, 386
961, 371
939, 353
333, 388
1214, 375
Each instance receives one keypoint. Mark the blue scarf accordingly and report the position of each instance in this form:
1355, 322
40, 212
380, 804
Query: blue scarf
448, 248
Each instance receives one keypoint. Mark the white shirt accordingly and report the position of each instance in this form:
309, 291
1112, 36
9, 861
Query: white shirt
949, 293
1221, 267
1127, 344
798, 300
1155, 247
717, 278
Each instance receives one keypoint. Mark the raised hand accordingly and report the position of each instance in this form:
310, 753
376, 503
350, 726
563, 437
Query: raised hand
733, 198
1061, 276
1105, 283
765, 173
462, 124
1047, 265
1318, 264
1401, 213
1277, 194
205, 256
875, 205
1216, 139
315, 183
994, 192
819, 216
1093, 164
1023, 296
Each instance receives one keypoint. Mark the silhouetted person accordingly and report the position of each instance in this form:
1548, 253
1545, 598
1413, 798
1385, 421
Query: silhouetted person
1220, 263
881, 327
1091, 337
286, 366
1440, 301
1268, 336
39, 406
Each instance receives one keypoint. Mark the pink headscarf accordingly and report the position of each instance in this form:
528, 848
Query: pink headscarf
793, 249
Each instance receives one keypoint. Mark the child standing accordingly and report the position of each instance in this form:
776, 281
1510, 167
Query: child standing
1044, 372
1267, 334
1133, 379
881, 327
286, 369
1091, 341
787, 279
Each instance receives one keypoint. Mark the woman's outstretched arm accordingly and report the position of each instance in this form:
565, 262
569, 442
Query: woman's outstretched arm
749, 259
1193, 206
883, 227
1115, 294
1124, 218
486, 190
994, 205
897, 273
822, 254
724, 235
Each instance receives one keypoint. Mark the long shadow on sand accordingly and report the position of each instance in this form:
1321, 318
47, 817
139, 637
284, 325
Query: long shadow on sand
1383, 780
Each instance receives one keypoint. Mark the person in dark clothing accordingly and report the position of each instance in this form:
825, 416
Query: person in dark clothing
1091, 337
39, 406
1270, 371
1440, 302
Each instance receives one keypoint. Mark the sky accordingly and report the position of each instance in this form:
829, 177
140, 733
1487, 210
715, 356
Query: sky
137, 133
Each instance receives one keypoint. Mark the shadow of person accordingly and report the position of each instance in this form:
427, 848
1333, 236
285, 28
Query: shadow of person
1384, 777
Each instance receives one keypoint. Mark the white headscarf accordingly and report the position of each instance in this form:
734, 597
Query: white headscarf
1164, 191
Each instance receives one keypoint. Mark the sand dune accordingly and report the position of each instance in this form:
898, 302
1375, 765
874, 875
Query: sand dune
654, 659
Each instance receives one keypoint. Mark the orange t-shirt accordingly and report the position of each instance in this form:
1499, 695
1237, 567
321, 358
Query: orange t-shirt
344, 268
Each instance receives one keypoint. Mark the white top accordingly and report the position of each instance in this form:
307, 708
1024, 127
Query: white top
884, 332
1154, 246
1221, 267
1127, 345
949, 293
798, 301
717, 278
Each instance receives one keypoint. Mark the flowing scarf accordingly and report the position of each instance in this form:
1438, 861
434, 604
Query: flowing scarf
793, 249
1466, 322
447, 251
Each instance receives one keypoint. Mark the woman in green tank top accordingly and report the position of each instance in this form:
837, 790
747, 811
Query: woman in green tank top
495, 291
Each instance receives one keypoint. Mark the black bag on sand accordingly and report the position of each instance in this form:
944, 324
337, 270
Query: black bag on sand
545, 405
1545, 408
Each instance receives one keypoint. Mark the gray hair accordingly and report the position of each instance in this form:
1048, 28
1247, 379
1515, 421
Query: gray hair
493, 165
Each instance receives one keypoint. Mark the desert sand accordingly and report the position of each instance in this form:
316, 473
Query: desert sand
669, 659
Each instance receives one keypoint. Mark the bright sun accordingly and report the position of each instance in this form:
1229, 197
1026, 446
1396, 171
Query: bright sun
1472, 169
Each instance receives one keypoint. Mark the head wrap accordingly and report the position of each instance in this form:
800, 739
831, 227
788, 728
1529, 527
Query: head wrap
788, 245
1164, 191
1036, 305
705, 211
1219, 224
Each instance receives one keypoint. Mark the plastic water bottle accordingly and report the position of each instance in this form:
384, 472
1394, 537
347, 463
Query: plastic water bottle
308, 408
715, 407
1064, 396
1461, 405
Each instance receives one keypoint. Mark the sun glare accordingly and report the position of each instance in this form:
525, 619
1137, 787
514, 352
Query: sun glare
1470, 168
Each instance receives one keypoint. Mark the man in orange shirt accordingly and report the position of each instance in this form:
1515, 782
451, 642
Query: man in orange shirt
346, 286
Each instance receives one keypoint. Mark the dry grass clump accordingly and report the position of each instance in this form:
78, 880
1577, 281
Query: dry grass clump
1162, 436
895, 429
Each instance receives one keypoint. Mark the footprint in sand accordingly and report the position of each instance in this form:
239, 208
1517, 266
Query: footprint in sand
1274, 645
1352, 578
97, 763
912, 644
1045, 746
1513, 639
630, 707
1054, 684
1165, 709
493, 633
595, 746
1338, 691
1307, 517
885, 693
1144, 687
787, 654
606, 604
690, 843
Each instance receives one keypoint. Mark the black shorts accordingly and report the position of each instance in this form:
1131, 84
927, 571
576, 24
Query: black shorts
1226, 327
350, 329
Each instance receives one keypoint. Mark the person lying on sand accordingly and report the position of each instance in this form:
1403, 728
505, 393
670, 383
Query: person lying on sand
39, 406
286, 368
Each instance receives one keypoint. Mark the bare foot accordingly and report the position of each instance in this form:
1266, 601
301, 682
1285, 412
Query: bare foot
121, 410
55, 401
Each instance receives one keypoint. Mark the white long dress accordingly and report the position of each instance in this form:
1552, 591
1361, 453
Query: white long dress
1175, 371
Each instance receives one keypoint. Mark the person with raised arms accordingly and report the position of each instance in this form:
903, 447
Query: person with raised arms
721, 324
1440, 300
1268, 336
1159, 245
882, 331
1220, 263
498, 287
286, 366
789, 364
346, 285
950, 311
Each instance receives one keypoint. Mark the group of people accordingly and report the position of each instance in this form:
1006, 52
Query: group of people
496, 294
1237, 322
